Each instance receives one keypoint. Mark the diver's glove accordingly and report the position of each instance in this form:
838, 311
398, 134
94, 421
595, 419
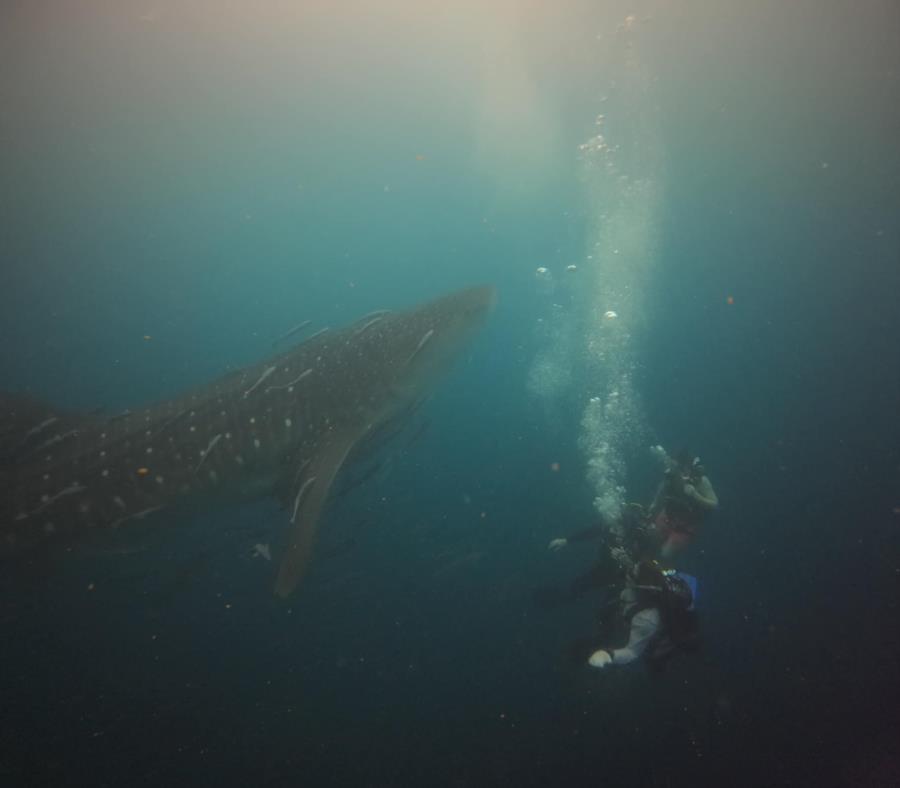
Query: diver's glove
557, 544
600, 659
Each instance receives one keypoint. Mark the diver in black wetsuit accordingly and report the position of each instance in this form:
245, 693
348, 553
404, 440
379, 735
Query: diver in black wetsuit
622, 545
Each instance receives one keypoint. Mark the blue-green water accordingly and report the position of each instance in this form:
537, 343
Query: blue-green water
210, 177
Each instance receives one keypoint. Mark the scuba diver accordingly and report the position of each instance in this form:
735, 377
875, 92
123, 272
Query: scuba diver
614, 560
657, 607
682, 502
624, 536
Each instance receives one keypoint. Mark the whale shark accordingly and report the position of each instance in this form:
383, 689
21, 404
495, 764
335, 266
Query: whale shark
284, 426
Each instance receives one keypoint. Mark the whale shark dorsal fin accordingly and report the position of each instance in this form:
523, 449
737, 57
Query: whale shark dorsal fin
308, 495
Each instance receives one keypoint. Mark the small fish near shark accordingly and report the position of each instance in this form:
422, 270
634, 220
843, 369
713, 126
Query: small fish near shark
284, 427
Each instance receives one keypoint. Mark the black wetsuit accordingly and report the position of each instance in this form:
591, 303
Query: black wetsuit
604, 573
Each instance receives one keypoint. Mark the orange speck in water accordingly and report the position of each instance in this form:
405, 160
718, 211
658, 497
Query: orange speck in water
147, 337
420, 157
729, 300
143, 471
554, 466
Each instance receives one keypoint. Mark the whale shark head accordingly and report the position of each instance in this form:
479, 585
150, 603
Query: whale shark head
433, 335
406, 353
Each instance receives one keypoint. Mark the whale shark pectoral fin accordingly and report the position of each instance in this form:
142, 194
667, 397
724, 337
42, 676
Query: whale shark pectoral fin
309, 494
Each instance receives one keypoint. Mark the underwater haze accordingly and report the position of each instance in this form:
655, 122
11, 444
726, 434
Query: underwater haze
690, 212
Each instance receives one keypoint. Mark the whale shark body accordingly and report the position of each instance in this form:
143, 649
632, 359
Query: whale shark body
284, 427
